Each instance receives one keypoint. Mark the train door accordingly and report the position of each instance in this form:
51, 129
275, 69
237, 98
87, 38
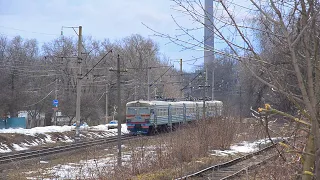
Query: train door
169, 116
197, 112
184, 113
153, 116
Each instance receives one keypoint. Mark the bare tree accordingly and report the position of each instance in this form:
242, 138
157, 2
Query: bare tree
32, 78
286, 61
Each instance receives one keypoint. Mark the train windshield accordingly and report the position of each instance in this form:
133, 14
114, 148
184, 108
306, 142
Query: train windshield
132, 111
144, 111
136, 110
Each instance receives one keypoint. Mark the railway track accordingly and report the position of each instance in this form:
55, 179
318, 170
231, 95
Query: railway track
5, 159
234, 167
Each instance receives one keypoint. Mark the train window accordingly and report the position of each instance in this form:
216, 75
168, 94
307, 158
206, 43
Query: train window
132, 111
160, 112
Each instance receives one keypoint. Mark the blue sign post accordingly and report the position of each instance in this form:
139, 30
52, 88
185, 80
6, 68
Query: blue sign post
55, 103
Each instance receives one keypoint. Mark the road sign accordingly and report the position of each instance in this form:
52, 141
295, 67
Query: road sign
55, 103
55, 109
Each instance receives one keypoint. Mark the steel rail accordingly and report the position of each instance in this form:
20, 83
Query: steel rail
58, 149
233, 167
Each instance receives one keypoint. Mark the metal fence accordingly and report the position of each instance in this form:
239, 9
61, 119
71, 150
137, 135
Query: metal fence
17, 122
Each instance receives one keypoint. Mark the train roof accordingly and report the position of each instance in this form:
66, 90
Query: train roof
159, 103
149, 102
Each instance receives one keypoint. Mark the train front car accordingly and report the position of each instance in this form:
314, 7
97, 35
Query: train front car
138, 117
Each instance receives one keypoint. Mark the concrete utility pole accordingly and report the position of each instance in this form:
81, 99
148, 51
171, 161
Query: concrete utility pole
135, 90
240, 101
119, 109
107, 91
79, 84
148, 79
212, 85
181, 79
56, 98
204, 94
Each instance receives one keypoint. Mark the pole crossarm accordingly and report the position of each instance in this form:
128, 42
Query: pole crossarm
204, 86
111, 69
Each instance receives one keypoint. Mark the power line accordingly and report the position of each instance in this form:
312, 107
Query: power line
193, 59
150, 67
34, 32
36, 89
110, 51
40, 100
191, 80
161, 76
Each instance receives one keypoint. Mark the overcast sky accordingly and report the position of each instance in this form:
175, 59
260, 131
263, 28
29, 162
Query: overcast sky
113, 19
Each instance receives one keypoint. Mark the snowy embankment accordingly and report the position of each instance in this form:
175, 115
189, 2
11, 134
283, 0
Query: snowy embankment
92, 168
31, 137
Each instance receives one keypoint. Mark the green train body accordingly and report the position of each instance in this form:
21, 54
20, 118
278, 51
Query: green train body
144, 117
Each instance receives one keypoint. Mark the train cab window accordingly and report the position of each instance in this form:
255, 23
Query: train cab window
144, 111
132, 111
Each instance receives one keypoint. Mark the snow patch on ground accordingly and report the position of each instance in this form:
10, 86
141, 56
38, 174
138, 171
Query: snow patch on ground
67, 139
37, 130
5, 148
48, 139
245, 147
18, 147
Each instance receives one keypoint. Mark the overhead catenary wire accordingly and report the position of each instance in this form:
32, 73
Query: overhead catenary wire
110, 51
39, 100
39, 88
34, 32
191, 81
161, 76
150, 67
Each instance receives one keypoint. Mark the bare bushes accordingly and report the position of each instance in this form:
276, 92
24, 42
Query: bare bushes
195, 140
223, 132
